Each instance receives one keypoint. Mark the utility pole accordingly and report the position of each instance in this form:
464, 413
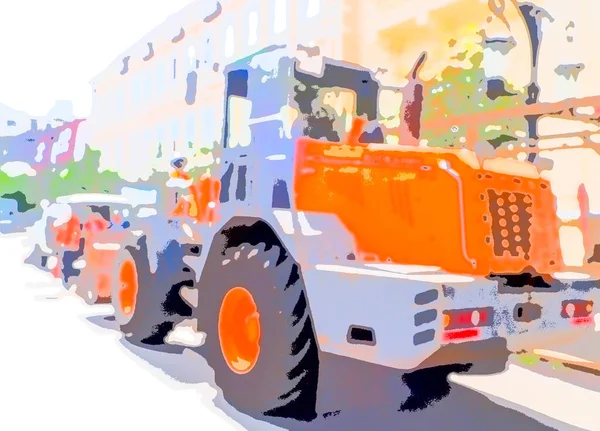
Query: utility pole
532, 16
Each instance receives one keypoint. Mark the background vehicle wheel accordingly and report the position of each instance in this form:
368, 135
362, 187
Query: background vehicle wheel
147, 305
260, 339
124, 297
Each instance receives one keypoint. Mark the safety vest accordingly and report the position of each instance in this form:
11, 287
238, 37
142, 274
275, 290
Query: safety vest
201, 203
68, 234
180, 175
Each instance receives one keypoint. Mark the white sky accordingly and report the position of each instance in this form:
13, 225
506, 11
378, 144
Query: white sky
50, 49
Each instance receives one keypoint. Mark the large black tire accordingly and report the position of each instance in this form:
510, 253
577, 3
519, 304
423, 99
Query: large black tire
68, 273
78, 277
158, 304
283, 383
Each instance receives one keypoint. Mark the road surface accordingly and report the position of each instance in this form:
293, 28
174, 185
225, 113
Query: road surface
64, 366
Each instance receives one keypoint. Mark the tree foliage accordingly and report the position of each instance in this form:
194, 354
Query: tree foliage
75, 177
463, 91
19, 197
10, 185
83, 177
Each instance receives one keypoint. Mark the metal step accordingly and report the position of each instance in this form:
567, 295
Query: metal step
582, 354
567, 359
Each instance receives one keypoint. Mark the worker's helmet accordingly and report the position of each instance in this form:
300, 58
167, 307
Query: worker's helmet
179, 163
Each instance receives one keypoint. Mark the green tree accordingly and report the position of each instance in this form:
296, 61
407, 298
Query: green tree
83, 176
10, 185
460, 92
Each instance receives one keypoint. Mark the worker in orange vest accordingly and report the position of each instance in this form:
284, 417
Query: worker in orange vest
179, 181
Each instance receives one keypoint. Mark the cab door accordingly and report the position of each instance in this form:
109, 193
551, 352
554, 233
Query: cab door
258, 144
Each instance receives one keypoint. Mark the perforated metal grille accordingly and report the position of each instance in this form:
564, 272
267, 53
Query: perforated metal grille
511, 220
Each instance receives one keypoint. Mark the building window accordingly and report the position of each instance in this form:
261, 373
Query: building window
191, 57
208, 127
200, 54
160, 83
280, 16
115, 157
313, 8
190, 126
120, 99
175, 130
140, 85
160, 134
147, 138
165, 145
252, 28
229, 41
135, 92
174, 134
147, 86
208, 53
139, 88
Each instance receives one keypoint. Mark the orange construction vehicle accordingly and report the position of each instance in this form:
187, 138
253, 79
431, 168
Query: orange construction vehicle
320, 237
440, 207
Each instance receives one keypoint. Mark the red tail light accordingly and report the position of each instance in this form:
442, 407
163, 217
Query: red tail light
461, 334
466, 323
468, 318
576, 309
582, 321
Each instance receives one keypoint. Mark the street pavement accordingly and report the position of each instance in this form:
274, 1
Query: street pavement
64, 365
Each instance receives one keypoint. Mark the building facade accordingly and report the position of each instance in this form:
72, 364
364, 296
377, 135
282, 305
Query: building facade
164, 96
45, 149
14, 123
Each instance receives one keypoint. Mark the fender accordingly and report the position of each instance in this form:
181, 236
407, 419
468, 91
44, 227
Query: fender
309, 238
158, 232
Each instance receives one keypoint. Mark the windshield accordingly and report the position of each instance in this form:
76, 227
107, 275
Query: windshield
333, 109
329, 103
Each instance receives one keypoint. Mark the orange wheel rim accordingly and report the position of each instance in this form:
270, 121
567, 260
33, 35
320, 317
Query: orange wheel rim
129, 287
239, 330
